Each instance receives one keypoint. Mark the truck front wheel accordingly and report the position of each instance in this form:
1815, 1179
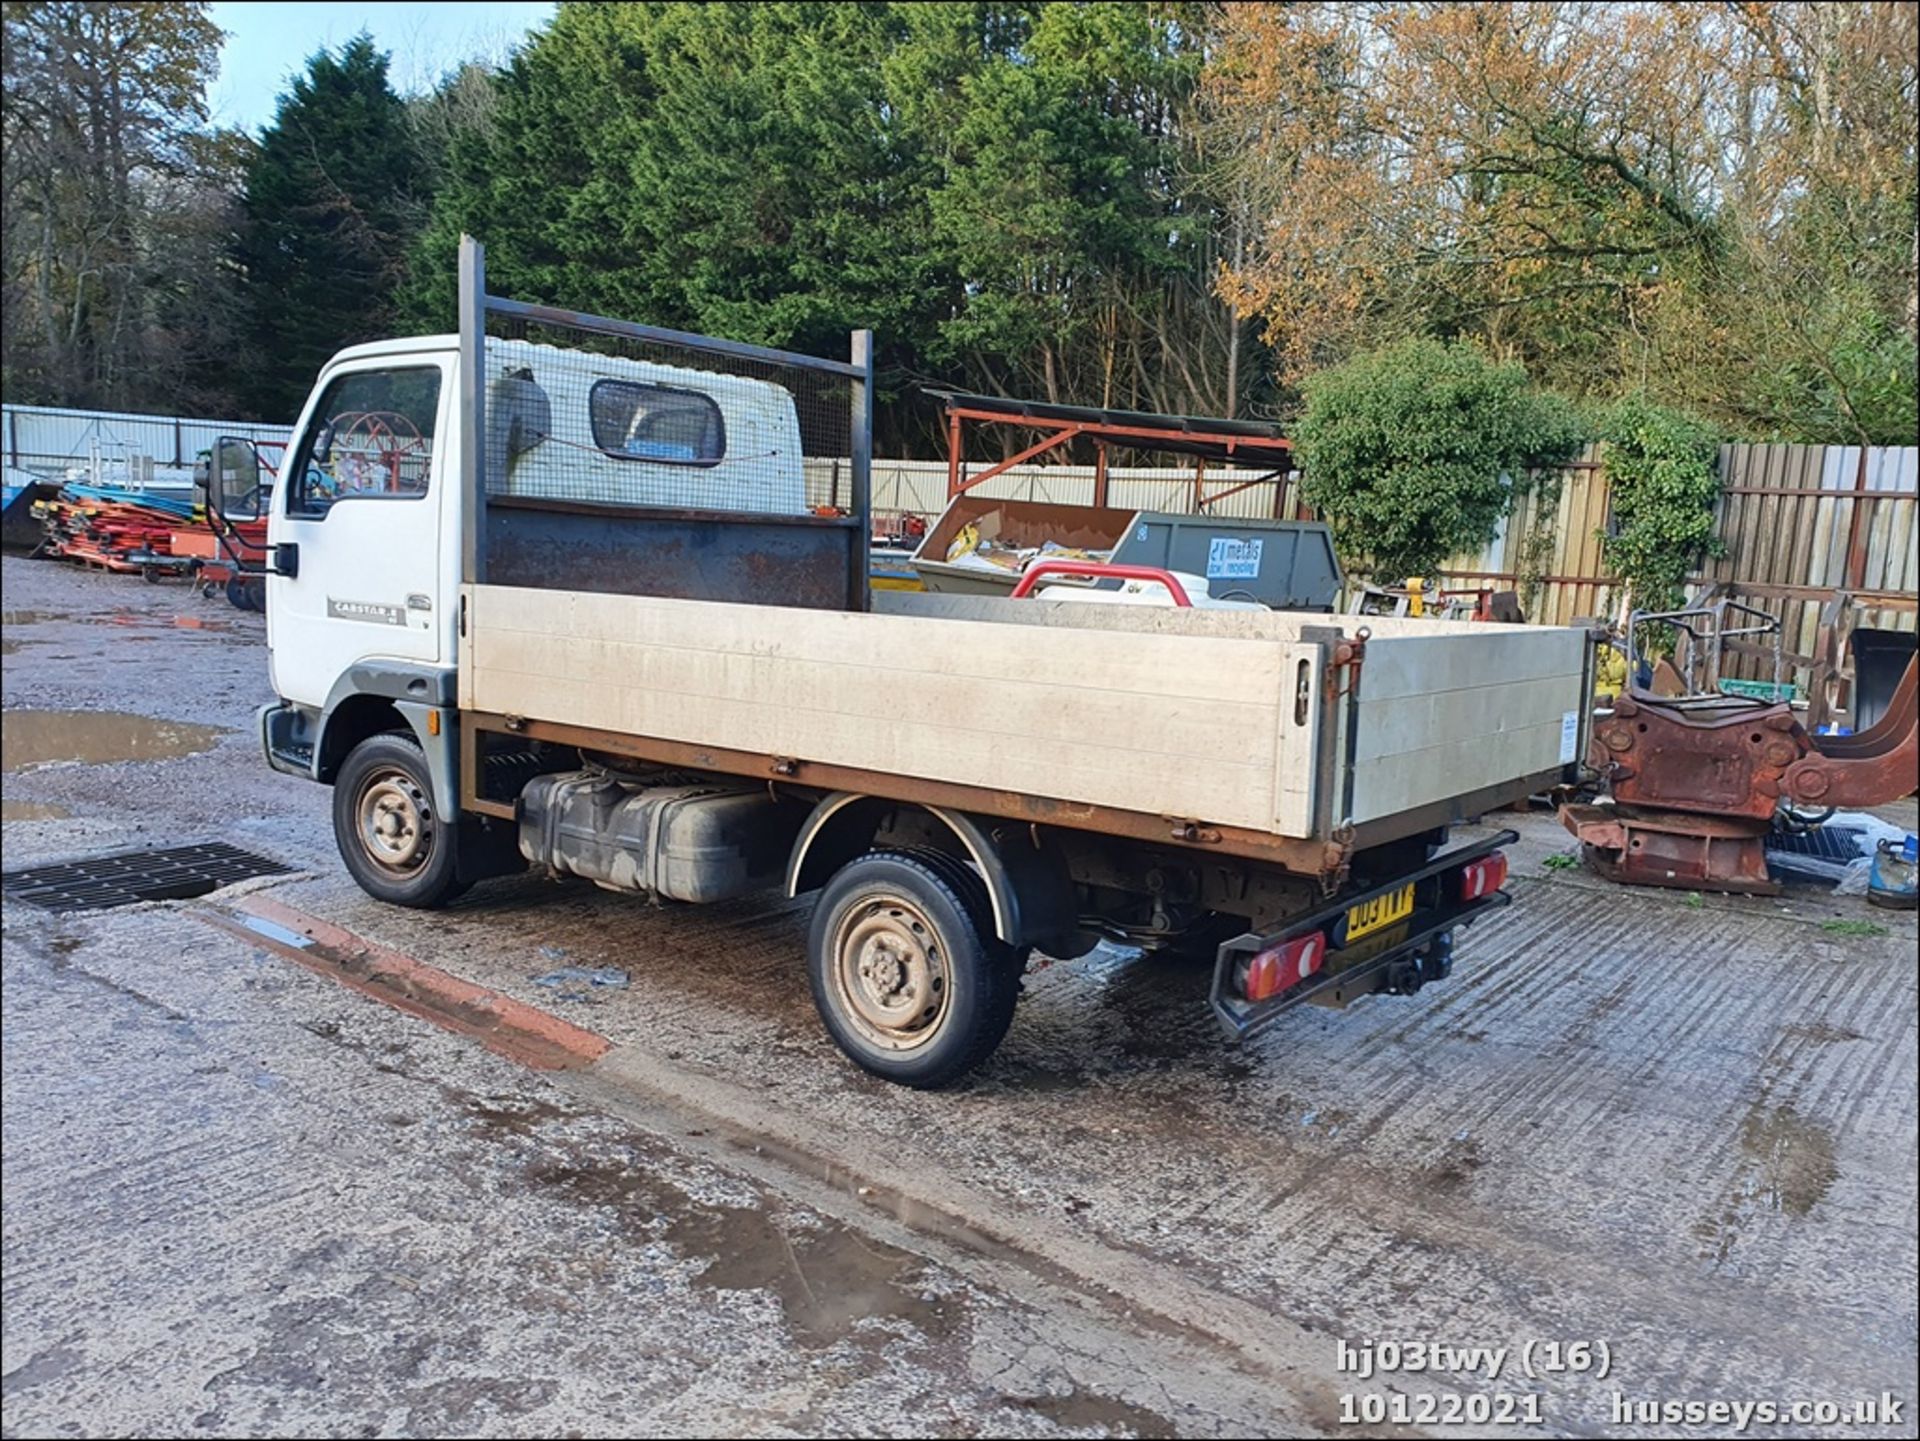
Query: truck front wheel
384, 824
905, 970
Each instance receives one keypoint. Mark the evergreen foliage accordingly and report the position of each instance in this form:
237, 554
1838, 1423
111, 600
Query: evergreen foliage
1414, 452
329, 209
1663, 484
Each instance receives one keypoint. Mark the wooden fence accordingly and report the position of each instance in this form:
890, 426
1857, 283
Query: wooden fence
1796, 522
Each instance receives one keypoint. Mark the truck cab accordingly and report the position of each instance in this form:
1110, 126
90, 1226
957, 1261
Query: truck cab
362, 576
364, 527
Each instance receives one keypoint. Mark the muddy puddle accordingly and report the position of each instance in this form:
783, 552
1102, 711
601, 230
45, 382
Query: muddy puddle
826, 1276
119, 618
30, 739
1791, 1157
32, 811
1086, 1410
520, 1120
1787, 1166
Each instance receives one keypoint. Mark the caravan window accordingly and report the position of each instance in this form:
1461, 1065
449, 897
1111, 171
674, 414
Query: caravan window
636, 421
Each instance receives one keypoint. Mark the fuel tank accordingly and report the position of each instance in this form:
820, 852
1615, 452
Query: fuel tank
699, 841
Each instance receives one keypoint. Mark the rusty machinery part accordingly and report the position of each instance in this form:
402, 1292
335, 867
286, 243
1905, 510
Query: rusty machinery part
1724, 758
1871, 767
1642, 847
1697, 786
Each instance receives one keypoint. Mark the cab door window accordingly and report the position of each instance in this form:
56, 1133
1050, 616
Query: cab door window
371, 438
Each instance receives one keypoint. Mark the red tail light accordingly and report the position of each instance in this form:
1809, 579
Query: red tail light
1483, 877
1287, 964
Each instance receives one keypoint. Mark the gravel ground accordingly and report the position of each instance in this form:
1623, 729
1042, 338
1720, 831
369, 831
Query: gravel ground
243, 1198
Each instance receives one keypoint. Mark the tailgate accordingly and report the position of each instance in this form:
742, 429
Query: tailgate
1444, 716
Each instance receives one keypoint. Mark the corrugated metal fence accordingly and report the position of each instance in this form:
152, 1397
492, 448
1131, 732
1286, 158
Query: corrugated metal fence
1549, 548
49, 440
1798, 522
1801, 521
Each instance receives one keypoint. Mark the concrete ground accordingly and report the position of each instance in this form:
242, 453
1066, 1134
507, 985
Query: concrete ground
241, 1197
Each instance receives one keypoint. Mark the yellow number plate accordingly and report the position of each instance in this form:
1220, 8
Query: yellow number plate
1379, 913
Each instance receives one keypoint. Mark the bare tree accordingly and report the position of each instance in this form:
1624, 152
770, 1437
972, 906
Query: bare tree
103, 116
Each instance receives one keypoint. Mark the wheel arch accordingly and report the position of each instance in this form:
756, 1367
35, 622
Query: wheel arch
345, 724
373, 698
1026, 878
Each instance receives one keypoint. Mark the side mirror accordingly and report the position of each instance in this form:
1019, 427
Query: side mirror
238, 492
233, 481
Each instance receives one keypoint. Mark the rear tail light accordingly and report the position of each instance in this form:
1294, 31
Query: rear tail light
1287, 964
1483, 877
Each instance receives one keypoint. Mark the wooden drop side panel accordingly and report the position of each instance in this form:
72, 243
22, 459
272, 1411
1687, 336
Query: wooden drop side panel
1183, 726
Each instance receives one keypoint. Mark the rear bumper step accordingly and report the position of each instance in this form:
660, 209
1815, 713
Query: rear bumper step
1405, 956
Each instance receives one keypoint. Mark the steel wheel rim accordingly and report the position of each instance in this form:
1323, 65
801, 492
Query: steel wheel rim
891, 974
395, 821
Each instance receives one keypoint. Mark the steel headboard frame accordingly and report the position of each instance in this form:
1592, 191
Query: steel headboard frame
795, 538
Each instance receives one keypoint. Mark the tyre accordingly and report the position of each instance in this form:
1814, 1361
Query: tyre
239, 596
968, 885
384, 824
905, 971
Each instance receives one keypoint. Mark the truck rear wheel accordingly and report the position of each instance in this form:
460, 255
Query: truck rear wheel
384, 824
905, 970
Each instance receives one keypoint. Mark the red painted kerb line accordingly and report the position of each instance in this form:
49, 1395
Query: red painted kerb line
512, 1028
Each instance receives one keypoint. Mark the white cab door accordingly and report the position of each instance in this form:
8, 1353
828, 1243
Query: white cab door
361, 498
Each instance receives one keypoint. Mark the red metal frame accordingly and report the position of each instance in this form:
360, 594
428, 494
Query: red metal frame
1203, 501
1102, 570
1101, 433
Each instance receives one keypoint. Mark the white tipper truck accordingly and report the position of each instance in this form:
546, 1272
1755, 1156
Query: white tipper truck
571, 606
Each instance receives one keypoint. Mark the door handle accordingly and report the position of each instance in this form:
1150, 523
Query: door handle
286, 558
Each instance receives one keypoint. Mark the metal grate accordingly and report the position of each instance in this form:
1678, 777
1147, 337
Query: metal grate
129, 877
1822, 843
577, 416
